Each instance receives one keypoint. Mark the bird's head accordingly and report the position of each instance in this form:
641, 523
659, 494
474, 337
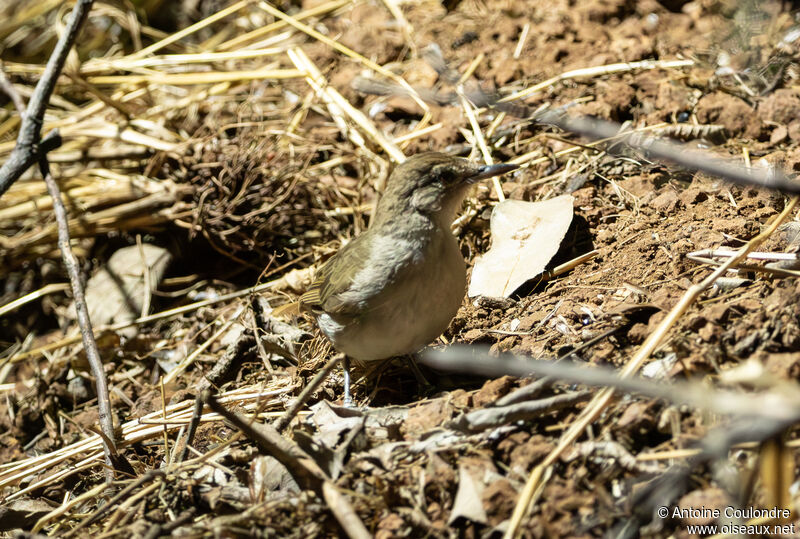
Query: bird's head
434, 184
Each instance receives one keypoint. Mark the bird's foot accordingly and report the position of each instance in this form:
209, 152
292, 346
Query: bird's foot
347, 402
424, 387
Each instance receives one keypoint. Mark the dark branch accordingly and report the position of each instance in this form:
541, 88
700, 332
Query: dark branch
674, 152
590, 127
31, 148
85, 323
785, 407
309, 390
197, 412
11, 92
28, 151
305, 471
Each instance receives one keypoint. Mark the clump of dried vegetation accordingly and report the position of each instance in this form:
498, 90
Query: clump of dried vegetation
247, 141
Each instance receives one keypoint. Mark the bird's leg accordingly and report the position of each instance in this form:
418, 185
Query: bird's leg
424, 385
348, 400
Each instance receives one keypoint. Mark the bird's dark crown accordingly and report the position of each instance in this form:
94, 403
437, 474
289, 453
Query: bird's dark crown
429, 169
432, 181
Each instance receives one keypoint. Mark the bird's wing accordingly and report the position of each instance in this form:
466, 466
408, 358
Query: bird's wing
326, 293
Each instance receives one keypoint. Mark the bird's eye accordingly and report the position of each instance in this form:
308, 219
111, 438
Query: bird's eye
446, 175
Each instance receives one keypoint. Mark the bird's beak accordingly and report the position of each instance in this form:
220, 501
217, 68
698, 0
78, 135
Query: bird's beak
487, 171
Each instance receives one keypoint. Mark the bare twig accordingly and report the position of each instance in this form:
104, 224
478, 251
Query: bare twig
30, 147
300, 465
601, 129
11, 92
343, 510
159, 530
85, 323
258, 320
784, 407
595, 71
706, 256
303, 469
754, 416
489, 418
603, 397
191, 358
676, 153
300, 401
33, 296
524, 393
114, 502
233, 355
197, 411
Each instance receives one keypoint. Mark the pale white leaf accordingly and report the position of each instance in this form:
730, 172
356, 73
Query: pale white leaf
525, 237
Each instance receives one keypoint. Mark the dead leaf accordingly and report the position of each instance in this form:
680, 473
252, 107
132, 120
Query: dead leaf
268, 476
22, 513
468, 502
116, 292
330, 445
525, 236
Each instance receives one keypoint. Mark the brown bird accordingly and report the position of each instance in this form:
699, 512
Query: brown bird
396, 287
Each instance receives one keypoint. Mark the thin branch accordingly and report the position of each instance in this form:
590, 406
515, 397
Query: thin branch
197, 412
309, 390
305, 471
85, 323
11, 92
303, 468
783, 406
160, 530
674, 152
113, 503
493, 417
594, 128
28, 150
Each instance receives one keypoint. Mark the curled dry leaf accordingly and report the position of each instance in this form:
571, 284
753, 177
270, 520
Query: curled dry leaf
22, 513
468, 502
117, 291
525, 236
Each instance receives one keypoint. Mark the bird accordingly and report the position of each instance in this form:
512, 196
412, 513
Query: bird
396, 287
